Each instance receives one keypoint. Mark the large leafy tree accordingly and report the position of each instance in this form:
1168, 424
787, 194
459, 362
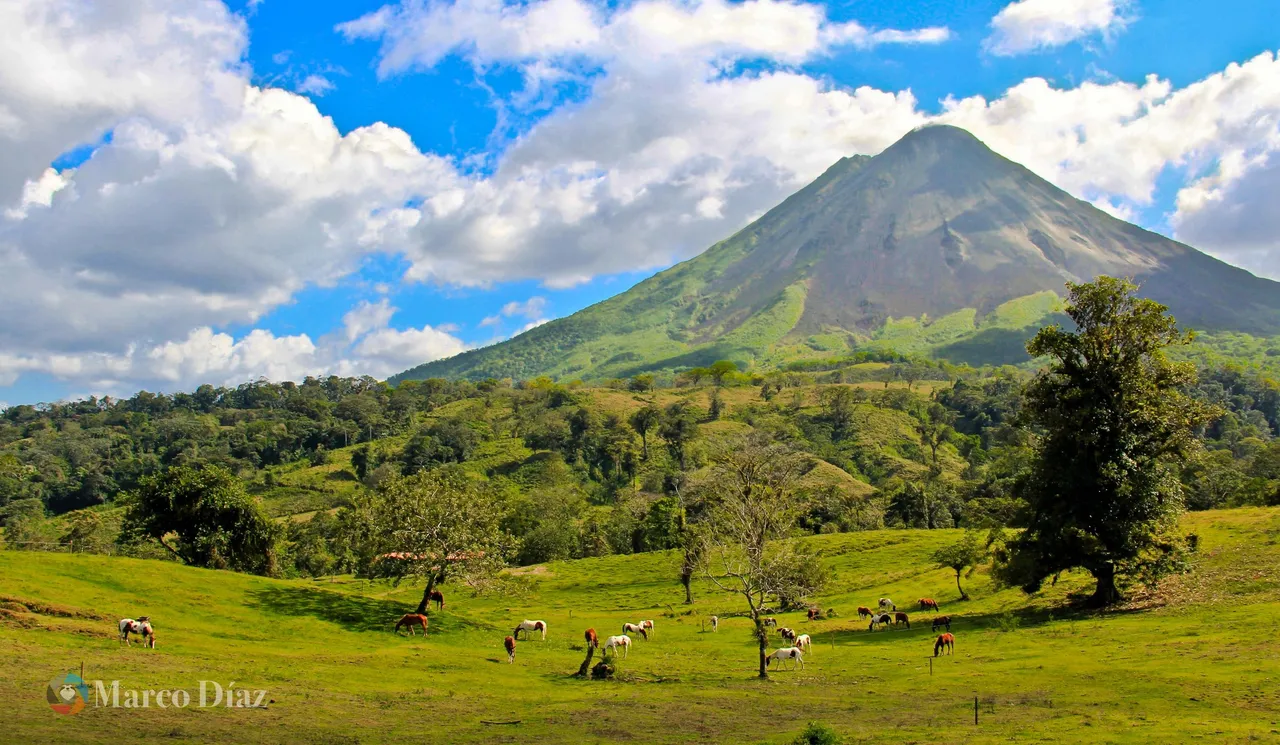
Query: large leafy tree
1114, 425
433, 525
204, 517
752, 507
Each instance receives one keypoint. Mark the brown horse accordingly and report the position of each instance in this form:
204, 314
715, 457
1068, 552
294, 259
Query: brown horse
900, 617
593, 641
928, 604
409, 620
945, 641
942, 621
437, 597
863, 612
510, 644
814, 613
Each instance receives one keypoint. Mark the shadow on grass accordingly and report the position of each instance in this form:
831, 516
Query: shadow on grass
921, 623
350, 611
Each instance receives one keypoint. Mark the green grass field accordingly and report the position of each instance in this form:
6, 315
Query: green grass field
1197, 661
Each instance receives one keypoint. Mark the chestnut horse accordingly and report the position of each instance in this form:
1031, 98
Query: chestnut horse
945, 641
437, 597
942, 621
409, 620
510, 644
593, 641
900, 617
928, 604
863, 612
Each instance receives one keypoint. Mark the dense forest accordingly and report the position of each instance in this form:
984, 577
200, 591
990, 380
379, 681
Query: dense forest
582, 471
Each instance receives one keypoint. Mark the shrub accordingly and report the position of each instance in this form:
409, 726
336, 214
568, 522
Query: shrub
817, 734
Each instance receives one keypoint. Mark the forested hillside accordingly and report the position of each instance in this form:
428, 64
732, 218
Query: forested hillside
584, 471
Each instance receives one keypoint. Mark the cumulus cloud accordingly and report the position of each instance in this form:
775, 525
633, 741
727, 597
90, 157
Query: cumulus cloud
1034, 25
532, 309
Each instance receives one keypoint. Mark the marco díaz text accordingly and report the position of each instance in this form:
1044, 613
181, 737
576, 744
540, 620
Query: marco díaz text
211, 694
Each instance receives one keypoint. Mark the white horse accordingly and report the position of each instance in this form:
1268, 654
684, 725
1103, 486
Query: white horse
882, 619
635, 628
887, 604
141, 627
528, 627
786, 653
612, 643
804, 642
648, 627
715, 623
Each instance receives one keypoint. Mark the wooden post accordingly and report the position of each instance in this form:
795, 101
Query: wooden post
81, 669
975, 708
930, 667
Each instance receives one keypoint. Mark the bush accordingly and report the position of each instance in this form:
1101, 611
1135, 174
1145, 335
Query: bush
817, 734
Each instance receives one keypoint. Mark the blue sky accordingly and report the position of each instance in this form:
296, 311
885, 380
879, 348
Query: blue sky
305, 187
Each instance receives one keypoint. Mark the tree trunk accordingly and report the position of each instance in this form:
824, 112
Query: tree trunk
686, 579
1106, 593
586, 664
426, 594
963, 595
763, 639
644, 442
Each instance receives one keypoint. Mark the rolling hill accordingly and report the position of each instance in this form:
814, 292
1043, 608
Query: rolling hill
937, 244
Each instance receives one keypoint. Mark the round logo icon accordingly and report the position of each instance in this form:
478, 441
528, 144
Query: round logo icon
67, 694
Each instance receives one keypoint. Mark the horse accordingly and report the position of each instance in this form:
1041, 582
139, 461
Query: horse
887, 604
437, 597
612, 643
715, 623
593, 641
788, 635
648, 627
863, 613
635, 628
528, 627
409, 620
786, 653
945, 641
814, 613
769, 621
900, 617
928, 604
803, 642
510, 644
942, 621
882, 619
142, 627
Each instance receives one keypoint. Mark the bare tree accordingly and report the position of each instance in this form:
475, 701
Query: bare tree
752, 506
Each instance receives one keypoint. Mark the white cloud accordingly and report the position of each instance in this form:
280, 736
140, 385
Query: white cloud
1033, 25
316, 85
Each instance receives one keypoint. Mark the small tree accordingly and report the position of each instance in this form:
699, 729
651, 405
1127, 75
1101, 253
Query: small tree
641, 383
968, 553
752, 507
213, 523
721, 370
643, 422
715, 406
435, 525
677, 429
1103, 492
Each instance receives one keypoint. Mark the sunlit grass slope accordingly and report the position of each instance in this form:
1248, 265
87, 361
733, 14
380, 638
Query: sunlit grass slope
1196, 662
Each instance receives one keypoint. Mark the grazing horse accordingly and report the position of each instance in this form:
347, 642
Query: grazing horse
814, 613
593, 641
510, 644
928, 604
769, 621
788, 635
942, 621
945, 641
528, 627
715, 623
900, 617
409, 620
635, 628
879, 619
141, 627
804, 642
863, 613
786, 653
612, 643
437, 597
648, 627
887, 604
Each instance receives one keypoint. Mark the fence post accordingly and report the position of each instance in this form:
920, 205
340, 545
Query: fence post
975, 708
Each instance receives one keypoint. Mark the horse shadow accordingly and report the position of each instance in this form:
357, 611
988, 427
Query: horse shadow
1011, 620
353, 612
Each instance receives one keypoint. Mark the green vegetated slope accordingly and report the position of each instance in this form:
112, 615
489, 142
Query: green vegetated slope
1195, 661
935, 246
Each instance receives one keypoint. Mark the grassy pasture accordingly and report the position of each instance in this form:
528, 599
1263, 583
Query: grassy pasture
1197, 661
